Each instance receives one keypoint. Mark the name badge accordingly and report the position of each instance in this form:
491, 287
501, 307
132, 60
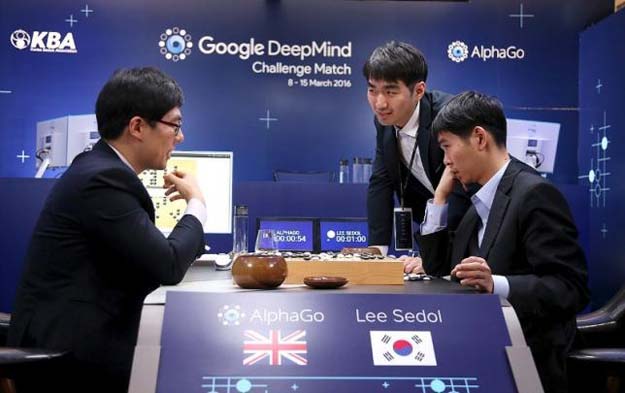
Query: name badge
403, 232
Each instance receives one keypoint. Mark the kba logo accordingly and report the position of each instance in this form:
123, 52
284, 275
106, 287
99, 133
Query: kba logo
20, 39
44, 41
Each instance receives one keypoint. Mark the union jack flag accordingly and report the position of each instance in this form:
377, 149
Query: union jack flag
275, 347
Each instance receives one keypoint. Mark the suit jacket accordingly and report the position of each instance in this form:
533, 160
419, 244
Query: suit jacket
531, 239
385, 179
94, 256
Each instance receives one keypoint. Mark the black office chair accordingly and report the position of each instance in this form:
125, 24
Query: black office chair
23, 362
5, 320
303, 177
599, 361
6, 385
605, 326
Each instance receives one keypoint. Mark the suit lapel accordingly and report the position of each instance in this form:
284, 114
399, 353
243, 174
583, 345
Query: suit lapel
499, 208
391, 153
495, 218
149, 207
463, 234
423, 134
431, 154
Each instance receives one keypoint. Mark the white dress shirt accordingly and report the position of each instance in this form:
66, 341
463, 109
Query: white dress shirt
407, 139
483, 200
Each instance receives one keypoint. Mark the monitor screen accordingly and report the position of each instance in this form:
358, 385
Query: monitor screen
337, 233
533, 142
291, 234
213, 170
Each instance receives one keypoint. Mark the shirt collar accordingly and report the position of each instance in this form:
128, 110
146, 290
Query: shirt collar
483, 199
412, 126
121, 157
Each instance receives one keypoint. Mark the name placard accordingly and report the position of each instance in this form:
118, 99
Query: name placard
330, 342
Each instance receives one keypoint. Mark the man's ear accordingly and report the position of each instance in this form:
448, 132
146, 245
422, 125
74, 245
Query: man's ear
419, 89
481, 137
136, 128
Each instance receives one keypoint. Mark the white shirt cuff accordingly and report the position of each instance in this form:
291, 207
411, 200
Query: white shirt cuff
435, 218
501, 286
383, 249
196, 208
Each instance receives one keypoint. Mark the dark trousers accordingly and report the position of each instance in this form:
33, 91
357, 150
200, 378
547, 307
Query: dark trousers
69, 375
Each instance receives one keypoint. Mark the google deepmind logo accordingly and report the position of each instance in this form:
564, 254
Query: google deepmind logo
175, 44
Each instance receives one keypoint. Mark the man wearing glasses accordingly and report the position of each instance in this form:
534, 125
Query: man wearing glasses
95, 252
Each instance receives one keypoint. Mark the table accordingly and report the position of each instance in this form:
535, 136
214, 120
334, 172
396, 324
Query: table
204, 277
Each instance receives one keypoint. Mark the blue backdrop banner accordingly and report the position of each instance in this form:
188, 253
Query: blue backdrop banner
279, 82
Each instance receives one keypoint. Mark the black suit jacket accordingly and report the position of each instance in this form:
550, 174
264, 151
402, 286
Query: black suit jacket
531, 239
385, 179
94, 256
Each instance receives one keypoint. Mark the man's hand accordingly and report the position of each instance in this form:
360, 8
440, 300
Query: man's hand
412, 264
445, 187
181, 185
474, 272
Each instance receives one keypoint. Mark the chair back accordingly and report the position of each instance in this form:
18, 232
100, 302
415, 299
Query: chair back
5, 321
605, 326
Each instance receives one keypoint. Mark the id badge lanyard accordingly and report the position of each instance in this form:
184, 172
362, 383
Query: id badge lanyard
403, 181
402, 216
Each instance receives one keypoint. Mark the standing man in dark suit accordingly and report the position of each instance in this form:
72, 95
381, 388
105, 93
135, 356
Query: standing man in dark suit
518, 240
408, 162
95, 252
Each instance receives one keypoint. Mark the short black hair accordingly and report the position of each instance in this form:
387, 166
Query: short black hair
396, 61
469, 109
146, 92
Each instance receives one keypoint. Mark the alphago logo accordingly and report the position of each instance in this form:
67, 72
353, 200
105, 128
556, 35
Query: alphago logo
230, 315
44, 41
175, 44
458, 51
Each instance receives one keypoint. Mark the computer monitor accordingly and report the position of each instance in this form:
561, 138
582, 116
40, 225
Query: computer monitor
533, 142
291, 233
213, 170
337, 233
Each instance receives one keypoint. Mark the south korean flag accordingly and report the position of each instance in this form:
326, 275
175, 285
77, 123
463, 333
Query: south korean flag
402, 348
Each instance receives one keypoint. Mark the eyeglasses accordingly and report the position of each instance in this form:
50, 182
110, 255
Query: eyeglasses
177, 127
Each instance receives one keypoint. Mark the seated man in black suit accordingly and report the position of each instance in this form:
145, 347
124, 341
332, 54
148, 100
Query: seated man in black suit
518, 240
95, 252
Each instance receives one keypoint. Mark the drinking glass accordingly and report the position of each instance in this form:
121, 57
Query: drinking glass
266, 241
